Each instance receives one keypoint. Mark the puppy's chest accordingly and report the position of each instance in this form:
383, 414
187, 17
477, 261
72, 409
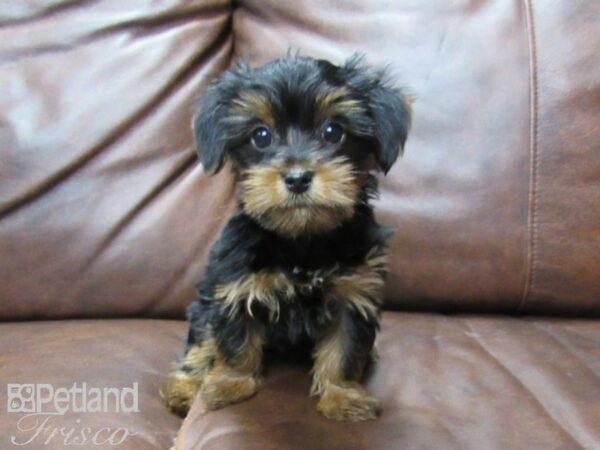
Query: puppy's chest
292, 283
285, 294
311, 283
296, 319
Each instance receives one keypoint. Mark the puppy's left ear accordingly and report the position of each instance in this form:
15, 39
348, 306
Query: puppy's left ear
392, 115
389, 107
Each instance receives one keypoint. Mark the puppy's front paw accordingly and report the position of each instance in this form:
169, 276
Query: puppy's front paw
179, 391
348, 402
219, 390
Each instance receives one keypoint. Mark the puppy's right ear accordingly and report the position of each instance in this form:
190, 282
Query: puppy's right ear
209, 130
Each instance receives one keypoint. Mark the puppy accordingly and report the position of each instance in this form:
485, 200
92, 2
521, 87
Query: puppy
301, 264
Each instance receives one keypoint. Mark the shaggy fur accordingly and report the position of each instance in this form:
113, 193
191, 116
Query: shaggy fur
301, 264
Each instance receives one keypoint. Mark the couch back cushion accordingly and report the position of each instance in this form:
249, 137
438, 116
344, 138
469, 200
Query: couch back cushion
104, 210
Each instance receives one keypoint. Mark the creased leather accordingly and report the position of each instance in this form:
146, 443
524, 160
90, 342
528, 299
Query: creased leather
447, 382
104, 211
102, 354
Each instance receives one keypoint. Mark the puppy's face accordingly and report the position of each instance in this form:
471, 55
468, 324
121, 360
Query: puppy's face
302, 135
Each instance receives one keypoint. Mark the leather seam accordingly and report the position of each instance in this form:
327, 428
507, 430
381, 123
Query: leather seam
532, 219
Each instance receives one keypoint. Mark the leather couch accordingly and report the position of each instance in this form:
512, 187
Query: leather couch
490, 338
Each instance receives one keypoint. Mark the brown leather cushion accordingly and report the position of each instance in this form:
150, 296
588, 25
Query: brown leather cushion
446, 382
100, 353
104, 211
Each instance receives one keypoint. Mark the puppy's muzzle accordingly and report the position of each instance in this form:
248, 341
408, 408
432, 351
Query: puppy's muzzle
298, 181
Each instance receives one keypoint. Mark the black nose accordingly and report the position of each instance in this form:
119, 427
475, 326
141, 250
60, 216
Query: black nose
298, 181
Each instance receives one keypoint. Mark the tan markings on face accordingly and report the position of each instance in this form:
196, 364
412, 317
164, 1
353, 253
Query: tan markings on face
250, 105
265, 287
329, 201
262, 189
337, 102
362, 288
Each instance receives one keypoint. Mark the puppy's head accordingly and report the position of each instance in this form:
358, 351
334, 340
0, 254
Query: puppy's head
302, 135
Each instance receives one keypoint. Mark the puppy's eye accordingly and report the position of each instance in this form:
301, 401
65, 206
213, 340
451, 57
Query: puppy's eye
333, 133
261, 137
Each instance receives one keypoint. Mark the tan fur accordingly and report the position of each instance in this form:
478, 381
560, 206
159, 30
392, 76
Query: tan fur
312, 219
348, 401
184, 382
363, 287
341, 397
410, 100
249, 357
251, 105
225, 387
234, 381
329, 201
264, 287
200, 358
328, 357
336, 102
222, 382
179, 392
218, 381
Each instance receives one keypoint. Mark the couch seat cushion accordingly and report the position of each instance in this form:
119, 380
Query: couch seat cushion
446, 382
102, 354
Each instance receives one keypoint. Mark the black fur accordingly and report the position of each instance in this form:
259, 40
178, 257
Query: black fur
377, 129
291, 84
245, 247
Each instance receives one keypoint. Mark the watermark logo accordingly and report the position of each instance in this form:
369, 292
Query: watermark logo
21, 398
40, 405
40, 398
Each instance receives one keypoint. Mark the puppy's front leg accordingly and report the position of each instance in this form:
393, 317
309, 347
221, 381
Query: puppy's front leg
342, 352
236, 372
340, 357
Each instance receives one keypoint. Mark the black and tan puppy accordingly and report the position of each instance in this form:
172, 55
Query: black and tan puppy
301, 264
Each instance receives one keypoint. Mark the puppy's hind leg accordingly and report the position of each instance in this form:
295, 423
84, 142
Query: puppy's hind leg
183, 383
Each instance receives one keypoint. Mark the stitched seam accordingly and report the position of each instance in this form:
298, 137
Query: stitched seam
532, 219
